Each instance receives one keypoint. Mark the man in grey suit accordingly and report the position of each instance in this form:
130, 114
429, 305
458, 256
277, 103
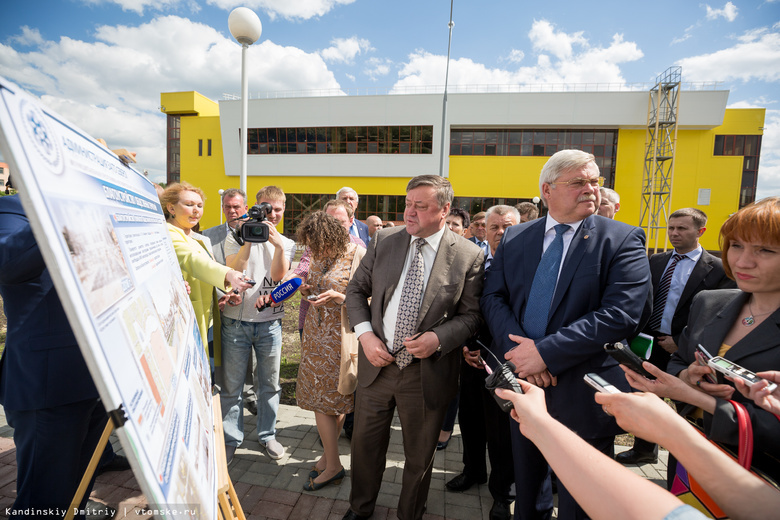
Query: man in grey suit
421, 278
233, 207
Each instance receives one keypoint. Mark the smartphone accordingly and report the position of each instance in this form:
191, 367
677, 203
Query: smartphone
312, 297
733, 370
600, 384
706, 356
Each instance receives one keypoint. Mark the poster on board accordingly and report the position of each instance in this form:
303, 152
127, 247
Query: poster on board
102, 233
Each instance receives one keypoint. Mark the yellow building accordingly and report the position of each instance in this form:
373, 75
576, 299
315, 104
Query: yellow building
312, 146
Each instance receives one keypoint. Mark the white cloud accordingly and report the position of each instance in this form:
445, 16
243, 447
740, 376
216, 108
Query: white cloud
28, 37
769, 165
515, 56
728, 12
559, 44
686, 35
756, 56
377, 67
574, 60
111, 87
344, 50
289, 9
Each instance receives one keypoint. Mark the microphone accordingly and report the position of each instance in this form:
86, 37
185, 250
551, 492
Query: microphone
283, 292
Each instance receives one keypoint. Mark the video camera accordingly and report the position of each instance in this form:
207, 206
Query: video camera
255, 230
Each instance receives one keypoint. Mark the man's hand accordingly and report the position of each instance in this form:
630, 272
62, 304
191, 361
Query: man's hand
472, 358
525, 357
667, 343
274, 237
543, 379
230, 298
424, 346
375, 350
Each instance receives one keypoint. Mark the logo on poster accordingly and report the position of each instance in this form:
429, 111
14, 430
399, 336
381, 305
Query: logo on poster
42, 137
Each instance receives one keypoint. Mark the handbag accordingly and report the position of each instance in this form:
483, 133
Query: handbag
687, 489
349, 342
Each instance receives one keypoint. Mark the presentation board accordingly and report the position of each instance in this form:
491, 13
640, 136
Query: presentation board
102, 233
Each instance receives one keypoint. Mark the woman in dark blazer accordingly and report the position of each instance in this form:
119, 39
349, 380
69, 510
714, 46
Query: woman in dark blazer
741, 325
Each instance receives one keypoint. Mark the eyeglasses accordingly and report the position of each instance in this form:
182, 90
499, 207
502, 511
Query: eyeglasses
580, 182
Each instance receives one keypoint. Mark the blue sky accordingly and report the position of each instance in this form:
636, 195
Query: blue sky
103, 63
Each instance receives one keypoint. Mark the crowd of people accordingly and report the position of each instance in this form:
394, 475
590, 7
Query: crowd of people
410, 319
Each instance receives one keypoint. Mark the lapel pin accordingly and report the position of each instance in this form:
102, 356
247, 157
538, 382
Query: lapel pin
585, 237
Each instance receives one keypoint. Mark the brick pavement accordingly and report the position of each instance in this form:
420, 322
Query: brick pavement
269, 489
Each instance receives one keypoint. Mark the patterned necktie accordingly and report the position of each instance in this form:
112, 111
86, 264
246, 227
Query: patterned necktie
537, 309
409, 306
659, 302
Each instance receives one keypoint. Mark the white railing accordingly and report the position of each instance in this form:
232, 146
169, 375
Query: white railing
474, 89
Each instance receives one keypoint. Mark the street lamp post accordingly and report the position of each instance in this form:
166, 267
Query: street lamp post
246, 28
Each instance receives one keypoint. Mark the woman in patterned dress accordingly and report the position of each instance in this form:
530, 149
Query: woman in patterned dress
333, 257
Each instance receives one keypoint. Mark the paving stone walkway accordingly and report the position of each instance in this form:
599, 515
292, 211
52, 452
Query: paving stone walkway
271, 489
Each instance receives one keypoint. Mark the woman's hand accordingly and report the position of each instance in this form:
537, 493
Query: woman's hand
472, 358
236, 281
664, 385
696, 376
642, 414
769, 401
328, 296
305, 290
529, 408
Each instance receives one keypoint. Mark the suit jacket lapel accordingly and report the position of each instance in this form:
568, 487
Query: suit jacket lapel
699, 272
531, 255
398, 247
441, 267
713, 333
579, 246
764, 337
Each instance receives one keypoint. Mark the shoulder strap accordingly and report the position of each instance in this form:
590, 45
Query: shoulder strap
745, 435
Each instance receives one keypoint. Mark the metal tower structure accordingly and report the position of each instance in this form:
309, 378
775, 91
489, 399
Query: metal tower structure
662, 111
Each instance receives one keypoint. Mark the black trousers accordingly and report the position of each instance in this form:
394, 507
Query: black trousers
484, 425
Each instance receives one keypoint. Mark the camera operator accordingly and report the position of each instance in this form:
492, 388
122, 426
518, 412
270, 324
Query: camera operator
244, 328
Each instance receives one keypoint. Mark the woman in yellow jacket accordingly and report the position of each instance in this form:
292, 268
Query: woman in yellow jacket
183, 207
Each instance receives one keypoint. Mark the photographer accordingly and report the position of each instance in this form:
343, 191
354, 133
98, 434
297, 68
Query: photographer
245, 327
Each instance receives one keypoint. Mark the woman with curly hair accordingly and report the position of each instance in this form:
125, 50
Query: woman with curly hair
182, 205
326, 334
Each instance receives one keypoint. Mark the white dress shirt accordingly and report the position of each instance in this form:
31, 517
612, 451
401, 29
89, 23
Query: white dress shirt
429, 251
549, 236
679, 278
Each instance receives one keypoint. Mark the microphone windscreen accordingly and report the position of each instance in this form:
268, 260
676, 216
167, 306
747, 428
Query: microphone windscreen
285, 290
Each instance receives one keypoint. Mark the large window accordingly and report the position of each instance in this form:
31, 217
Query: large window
341, 139
749, 147
529, 142
386, 207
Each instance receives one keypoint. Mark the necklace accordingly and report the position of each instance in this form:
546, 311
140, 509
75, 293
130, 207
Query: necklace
750, 320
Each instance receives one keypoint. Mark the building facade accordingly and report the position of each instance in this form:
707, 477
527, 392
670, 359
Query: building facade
495, 147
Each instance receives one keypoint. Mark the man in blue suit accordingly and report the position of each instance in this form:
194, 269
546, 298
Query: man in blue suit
45, 387
357, 229
558, 289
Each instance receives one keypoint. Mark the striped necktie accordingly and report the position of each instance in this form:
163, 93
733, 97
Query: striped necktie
659, 302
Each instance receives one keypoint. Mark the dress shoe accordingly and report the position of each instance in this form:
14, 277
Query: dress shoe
351, 515
499, 511
118, 463
636, 457
463, 482
442, 445
336, 479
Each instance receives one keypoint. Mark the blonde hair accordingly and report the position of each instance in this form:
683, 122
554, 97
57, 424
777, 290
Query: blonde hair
172, 194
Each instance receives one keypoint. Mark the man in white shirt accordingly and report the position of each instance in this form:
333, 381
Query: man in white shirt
245, 329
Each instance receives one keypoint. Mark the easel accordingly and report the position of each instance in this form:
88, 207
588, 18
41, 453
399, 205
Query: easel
229, 506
